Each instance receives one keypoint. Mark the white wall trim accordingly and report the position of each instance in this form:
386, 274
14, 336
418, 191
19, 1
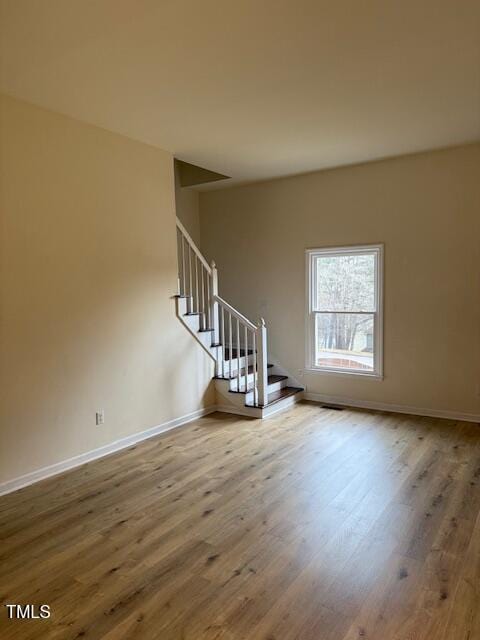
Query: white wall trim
283, 405
238, 411
123, 443
395, 408
105, 450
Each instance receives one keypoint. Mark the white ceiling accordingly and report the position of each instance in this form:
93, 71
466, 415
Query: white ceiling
254, 88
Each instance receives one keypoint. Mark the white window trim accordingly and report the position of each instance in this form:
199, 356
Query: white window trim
310, 364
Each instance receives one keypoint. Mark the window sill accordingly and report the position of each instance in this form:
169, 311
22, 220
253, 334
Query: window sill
343, 373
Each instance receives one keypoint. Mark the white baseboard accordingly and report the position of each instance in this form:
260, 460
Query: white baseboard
235, 410
283, 405
394, 408
123, 443
112, 447
267, 412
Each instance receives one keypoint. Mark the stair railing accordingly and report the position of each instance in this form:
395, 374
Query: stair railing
231, 331
195, 278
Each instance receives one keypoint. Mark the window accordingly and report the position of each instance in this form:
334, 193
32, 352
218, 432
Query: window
345, 310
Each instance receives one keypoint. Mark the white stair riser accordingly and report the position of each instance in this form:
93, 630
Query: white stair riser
273, 386
182, 306
234, 381
276, 386
286, 403
206, 338
230, 367
192, 322
235, 403
245, 398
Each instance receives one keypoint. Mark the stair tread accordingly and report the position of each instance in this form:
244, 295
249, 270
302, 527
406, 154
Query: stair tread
250, 370
234, 353
276, 378
271, 380
276, 396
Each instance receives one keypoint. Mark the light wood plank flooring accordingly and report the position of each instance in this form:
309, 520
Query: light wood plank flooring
314, 525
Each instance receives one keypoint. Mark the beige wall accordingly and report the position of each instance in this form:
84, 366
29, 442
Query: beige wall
425, 208
188, 208
88, 269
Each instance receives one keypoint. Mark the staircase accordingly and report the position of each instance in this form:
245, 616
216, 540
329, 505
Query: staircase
245, 382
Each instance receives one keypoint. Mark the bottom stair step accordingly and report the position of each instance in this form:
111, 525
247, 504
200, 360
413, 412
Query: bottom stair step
272, 379
276, 396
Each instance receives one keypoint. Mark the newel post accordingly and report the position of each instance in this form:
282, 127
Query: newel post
262, 362
214, 305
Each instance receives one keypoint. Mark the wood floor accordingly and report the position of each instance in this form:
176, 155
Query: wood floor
314, 525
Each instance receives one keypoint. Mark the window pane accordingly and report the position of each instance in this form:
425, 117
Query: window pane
344, 341
345, 283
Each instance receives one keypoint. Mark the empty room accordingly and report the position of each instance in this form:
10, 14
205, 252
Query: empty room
239, 320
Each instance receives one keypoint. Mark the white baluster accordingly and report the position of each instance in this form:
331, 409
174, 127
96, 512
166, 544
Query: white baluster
202, 317
231, 345
209, 306
190, 288
223, 342
262, 363
197, 297
246, 355
238, 355
214, 304
255, 389
179, 280
183, 265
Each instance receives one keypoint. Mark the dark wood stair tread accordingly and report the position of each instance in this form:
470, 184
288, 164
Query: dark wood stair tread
276, 378
234, 353
271, 380
276, 396
242, 372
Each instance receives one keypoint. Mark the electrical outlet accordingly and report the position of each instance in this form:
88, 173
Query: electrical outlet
100, 417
